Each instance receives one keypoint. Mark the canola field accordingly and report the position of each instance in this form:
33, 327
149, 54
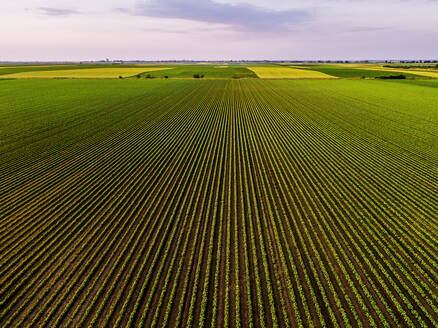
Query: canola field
236, 203
279, 72
107, 72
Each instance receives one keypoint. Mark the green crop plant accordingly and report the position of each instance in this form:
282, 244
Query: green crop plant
218, 201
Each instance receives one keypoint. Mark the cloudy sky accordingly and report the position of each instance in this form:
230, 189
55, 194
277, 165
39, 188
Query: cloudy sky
218, 29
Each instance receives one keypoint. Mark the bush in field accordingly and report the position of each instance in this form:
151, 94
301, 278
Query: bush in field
392, 77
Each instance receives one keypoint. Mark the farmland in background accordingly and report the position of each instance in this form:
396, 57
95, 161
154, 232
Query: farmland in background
13, 69
215, 71
357, 71
107, 72
114, 71
218, 203
416, 71
208, 71
279, 72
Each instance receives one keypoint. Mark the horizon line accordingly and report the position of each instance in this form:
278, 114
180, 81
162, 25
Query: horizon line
103, 61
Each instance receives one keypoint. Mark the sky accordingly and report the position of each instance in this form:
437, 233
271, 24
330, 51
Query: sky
75, 30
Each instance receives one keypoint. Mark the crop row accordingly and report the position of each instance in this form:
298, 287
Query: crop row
221, 203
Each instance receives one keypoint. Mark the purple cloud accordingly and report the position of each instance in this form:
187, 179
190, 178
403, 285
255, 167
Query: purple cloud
57, 11
244, 17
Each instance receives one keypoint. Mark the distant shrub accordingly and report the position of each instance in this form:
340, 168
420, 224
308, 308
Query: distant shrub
120, 77
392, 77
138, 76
149, 76
166, 77
412, 66
196, 76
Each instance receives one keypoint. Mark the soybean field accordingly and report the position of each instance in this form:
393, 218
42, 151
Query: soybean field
210, 203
